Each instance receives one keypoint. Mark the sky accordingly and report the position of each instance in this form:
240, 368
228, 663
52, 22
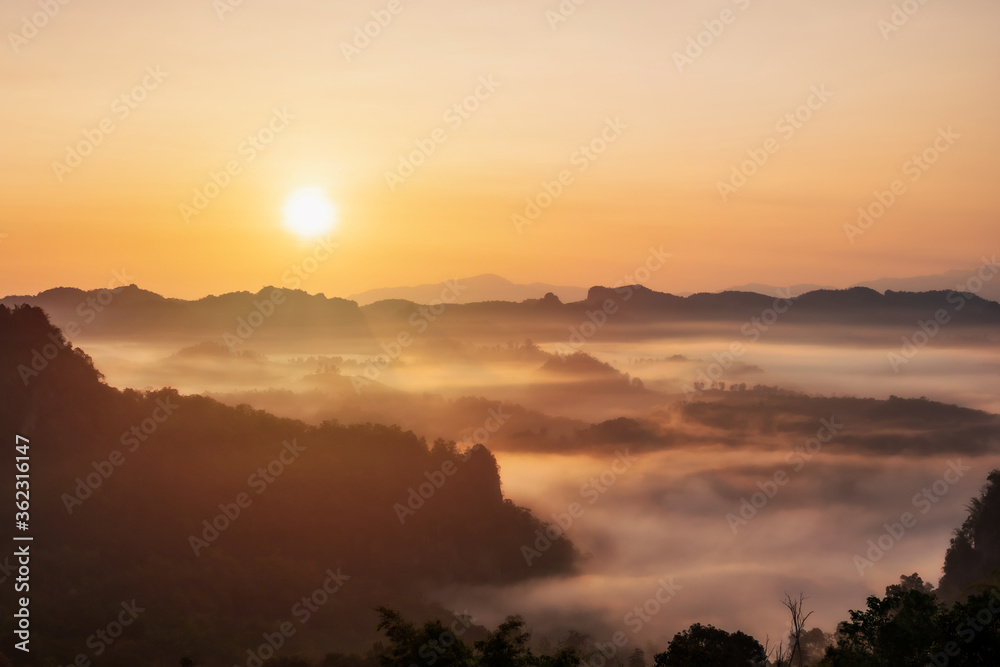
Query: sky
671, 97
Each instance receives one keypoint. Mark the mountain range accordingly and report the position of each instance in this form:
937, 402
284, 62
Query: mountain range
949, 280
491, 287
624, 312
486, 287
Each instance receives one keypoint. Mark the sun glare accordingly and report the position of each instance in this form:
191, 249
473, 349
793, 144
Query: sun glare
309, 213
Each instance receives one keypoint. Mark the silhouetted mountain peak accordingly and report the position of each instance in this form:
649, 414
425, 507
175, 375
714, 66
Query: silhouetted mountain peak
550, 300
38, 364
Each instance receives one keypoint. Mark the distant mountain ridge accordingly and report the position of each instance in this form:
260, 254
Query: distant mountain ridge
774, 290
486, 287
234, 317
942, 281
949, 280
128, 308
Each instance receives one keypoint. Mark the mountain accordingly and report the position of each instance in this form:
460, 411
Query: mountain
951, 280
774, 290
295, 319
973, 559
486, 287
956, 280
215, 520
235, 316
857, 305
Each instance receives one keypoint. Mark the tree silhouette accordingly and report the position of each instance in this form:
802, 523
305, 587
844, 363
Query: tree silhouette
799, 618
814, 644
507, 646
974, 554
410, 645
898, 630
435, 644
708, 646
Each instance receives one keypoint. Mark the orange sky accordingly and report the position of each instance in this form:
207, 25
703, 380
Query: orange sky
656, 184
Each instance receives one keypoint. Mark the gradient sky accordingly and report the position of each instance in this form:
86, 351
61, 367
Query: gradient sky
656, 185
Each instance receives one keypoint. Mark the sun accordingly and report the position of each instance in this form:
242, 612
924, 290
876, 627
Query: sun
309, 213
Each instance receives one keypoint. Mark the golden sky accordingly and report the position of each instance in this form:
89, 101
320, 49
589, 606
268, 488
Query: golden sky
199, 77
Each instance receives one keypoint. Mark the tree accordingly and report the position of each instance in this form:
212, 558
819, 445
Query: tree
970, 633
799, 618
565, 657
637, 659
814, 644
898, 631
435, 644
974, 554
507, 646
411, 645
910, 582
775, 655
910, 628
708, 646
